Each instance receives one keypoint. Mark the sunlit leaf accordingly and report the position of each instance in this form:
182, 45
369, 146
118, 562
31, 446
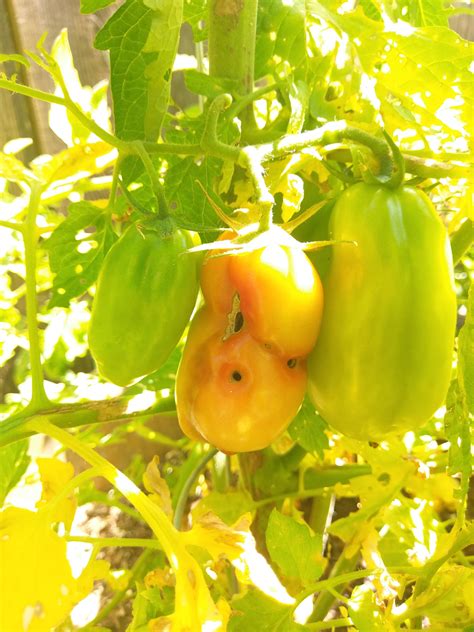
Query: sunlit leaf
255, 611
308, 428
31, 551
142, 38
54, 475
14, 460
156, 485
75, 255
90, 6
292, 546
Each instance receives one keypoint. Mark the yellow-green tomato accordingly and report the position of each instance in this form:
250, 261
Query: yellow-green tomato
145, 295
382, 362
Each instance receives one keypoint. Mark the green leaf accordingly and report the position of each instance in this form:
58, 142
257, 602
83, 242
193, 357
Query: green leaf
187, 202
460, 405
366, 614
427, 70
255, 611
14, 460
90, 6
293, 547
448, 599
466, 354
281, 34
419, 12
150, 603
376, 491
370, 9
229, 507
13, 169
308, 428
76, 256
195, 14
142, 37
200, 83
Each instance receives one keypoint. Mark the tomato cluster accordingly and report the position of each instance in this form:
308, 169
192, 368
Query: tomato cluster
242, 376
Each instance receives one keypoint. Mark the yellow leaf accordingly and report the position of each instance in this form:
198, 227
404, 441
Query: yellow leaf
292, 189
37, 587
156, 485
220, 540
54, 475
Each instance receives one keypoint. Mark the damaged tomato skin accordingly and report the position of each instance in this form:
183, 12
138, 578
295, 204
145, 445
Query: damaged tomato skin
280, 293
233, 392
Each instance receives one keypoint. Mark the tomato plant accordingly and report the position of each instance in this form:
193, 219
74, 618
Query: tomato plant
236, 346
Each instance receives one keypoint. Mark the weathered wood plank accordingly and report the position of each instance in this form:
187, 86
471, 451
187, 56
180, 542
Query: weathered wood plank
32, 18
15, 111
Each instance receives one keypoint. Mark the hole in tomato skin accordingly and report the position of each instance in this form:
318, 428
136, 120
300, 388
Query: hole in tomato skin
238, 322
236, 376
292, 362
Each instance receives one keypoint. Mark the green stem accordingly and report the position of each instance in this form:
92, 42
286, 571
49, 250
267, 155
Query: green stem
248, 99
172, 148
326, 478
232, 33
210, 142
328, 625
325, 584
102, 543
114, 185
11, 225
190, 481
325, 599
251, 159
12, 86
73, 415
155, 181
103, 499
136, 573
39, 398
221, 472
331, 133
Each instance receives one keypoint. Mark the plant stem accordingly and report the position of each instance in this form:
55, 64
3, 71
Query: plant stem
114, 185
325, 599
251, 159
210, 142
112, 542
332, 582
39, 398
232, 33
12, 86
190, 481
328, 625
136, 573
155, 181
72, 415
11, 225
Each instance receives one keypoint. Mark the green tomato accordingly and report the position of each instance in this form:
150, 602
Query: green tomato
145, 295
382, 363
